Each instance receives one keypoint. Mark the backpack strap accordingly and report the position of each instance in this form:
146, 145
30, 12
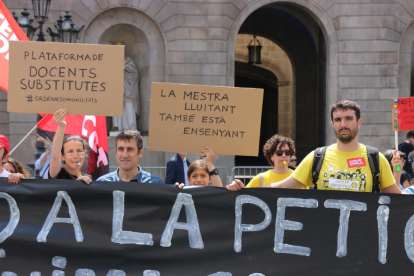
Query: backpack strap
317, 164
373, 159
261, 179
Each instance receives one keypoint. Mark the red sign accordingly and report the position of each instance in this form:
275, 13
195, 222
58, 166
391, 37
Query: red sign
356, 162
403, 114
9, 30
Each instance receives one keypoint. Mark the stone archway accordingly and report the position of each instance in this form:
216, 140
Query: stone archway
275, 60
331, 47
144, 43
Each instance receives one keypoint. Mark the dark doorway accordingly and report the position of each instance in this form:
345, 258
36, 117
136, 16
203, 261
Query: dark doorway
299, 35
256, 77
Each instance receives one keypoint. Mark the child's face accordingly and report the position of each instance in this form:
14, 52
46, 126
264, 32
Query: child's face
199, 177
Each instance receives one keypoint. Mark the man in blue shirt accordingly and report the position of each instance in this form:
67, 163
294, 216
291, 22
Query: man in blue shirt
129, 149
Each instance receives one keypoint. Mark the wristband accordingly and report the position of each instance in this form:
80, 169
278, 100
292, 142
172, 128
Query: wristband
49, 147
213, 172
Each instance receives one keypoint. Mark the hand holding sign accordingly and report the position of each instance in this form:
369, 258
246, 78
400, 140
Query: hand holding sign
402, 118
209, 154
397, 162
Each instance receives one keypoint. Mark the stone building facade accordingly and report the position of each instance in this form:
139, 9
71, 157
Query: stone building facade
337, 49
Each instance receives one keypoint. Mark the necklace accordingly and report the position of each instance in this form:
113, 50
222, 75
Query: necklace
70, 174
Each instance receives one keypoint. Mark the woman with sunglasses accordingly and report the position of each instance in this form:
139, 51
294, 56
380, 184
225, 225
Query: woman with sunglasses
277, 150
70, 150
293, 162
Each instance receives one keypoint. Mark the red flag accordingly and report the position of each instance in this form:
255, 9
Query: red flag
9, 30
93, 130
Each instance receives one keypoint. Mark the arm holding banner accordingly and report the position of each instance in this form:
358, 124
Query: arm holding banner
289, 183
55, 161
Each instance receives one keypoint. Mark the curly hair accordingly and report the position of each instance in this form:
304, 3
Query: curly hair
271, 145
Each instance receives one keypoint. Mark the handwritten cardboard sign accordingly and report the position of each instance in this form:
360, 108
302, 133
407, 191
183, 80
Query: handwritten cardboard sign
403, 114
84, 79
187, 118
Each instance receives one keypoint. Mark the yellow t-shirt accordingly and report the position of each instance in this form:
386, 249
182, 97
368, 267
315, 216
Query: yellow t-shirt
269, 177
345, 171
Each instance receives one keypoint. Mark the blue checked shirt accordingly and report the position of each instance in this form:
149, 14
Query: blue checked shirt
141, 177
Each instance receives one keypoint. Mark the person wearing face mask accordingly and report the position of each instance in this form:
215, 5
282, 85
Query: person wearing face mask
278, 151
177, 168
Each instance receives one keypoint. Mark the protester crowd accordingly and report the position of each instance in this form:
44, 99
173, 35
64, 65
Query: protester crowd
347, 165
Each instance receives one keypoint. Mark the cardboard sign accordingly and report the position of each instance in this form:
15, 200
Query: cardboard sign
84, 79
403, 114
188, 118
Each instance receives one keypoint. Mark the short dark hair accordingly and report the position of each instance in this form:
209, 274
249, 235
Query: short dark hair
128, 135
271, 145
346, 104
72, 138
195, 165
4, 153
410, 134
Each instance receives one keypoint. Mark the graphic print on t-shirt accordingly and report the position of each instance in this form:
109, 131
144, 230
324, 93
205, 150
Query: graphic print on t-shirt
349, 178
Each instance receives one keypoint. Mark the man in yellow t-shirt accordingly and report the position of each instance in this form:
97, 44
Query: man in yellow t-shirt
347, 171
345, 166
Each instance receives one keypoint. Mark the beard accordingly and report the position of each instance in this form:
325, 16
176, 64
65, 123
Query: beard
346, 138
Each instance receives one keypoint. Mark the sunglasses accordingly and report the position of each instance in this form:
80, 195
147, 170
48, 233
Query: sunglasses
280, 152
293, 160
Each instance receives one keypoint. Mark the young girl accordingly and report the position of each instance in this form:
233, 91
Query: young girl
70, 150
201, 172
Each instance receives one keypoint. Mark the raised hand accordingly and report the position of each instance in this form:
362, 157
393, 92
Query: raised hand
209, 154
41, 139
59, 117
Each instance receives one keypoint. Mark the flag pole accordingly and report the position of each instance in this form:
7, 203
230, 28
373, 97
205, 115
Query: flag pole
21, 141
